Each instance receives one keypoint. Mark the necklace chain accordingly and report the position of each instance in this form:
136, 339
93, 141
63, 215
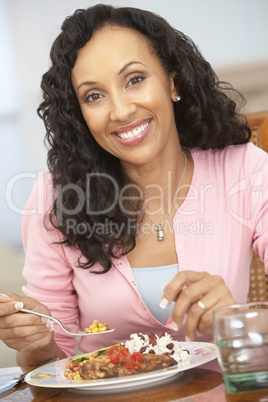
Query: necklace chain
160, 233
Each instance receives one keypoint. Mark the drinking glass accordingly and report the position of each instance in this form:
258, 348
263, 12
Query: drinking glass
241, 337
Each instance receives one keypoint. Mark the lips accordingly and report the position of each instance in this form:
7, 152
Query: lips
134, 132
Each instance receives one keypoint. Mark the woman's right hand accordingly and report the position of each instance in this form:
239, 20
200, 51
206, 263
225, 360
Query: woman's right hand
24, 332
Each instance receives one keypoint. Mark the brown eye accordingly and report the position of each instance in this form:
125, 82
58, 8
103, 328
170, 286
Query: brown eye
92, 97
136, 80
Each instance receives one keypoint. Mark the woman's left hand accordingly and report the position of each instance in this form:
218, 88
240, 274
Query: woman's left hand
187, 289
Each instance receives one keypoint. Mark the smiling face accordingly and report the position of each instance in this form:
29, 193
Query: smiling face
126, 96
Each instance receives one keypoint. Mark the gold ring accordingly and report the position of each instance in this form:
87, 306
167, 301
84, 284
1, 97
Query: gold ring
200, 304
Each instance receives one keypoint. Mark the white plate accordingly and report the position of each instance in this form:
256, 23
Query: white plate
52, 375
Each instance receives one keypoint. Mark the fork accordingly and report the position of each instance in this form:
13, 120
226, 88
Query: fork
66, 329
18, 379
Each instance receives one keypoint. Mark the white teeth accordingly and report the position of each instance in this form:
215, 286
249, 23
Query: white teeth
134, 133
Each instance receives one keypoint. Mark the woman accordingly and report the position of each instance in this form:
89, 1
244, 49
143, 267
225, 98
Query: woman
152, 184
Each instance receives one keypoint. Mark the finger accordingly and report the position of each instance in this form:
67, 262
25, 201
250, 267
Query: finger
218, 297
2, 295
197, 312
200, 314
31, 342
173, 288
11, 297
32, 304
24, 320
8, 305
186, 299
25, 331
19, 338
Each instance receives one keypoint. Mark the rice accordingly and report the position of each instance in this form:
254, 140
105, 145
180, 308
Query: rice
164, 345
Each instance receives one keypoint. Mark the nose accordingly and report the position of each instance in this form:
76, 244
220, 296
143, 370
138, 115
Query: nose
121, 109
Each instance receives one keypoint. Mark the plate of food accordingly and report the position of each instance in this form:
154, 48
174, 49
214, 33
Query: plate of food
144, 359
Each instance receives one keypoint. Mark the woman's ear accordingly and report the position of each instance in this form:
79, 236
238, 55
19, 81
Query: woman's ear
174, 93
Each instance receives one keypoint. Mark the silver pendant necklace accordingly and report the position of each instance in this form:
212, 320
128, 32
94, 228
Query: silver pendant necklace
160, 232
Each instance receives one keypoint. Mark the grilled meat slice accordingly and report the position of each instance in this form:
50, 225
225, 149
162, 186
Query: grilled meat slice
101, 366
156, 362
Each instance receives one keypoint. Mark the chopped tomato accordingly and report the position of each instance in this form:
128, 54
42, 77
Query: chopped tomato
112, 350
122, 359
138, 357
131, 364
114, 357
121, 355
124, 351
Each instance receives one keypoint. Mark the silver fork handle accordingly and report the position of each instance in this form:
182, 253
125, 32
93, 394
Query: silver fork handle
64, 328
25, 310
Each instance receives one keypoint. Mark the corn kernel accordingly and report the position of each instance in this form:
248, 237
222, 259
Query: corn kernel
97, 327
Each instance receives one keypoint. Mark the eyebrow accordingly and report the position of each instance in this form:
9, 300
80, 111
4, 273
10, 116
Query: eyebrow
128, 65
124, 68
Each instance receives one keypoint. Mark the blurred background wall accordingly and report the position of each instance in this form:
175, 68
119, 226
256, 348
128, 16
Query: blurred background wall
232, 36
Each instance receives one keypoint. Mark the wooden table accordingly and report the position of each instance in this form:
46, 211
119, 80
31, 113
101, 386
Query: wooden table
196, 384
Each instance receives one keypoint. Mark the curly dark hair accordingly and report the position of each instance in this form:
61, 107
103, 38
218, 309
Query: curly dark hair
206, 117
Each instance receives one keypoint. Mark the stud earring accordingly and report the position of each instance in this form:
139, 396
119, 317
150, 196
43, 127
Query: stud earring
178, 98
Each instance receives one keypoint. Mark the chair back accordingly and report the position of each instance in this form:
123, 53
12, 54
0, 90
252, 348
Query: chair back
258, 289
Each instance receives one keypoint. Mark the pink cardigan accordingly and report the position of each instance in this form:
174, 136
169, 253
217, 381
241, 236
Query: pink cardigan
224, 215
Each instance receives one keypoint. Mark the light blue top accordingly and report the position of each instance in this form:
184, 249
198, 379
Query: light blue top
153, 279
